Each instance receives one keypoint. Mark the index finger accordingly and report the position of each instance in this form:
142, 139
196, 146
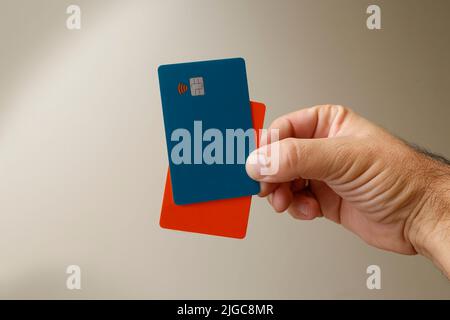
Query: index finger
316, 122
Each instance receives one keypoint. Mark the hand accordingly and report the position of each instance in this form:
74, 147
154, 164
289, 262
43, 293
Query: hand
375, 185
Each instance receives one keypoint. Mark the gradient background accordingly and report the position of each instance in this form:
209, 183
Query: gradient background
83, 158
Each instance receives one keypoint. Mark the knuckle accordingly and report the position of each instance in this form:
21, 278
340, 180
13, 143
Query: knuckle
341, 111
278, 123
336, 109
344, 113
324, 109
341, 108
292, 153
326, 106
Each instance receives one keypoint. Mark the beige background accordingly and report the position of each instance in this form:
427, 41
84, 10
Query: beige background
83, 158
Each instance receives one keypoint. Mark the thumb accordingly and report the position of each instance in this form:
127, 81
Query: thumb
292, 158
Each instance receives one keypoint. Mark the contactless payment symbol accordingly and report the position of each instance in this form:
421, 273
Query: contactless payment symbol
182, 88
197, 86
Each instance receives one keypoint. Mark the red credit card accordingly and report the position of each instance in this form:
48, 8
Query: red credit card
227, 217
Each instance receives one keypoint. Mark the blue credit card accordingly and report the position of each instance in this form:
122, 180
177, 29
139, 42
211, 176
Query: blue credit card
208, 125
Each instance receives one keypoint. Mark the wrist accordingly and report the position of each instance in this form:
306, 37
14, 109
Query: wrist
429, 230
435, 245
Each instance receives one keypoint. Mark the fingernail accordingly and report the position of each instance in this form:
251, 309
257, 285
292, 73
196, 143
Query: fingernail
255, 162
303, 208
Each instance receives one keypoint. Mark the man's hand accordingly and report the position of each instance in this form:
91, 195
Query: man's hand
336, 164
